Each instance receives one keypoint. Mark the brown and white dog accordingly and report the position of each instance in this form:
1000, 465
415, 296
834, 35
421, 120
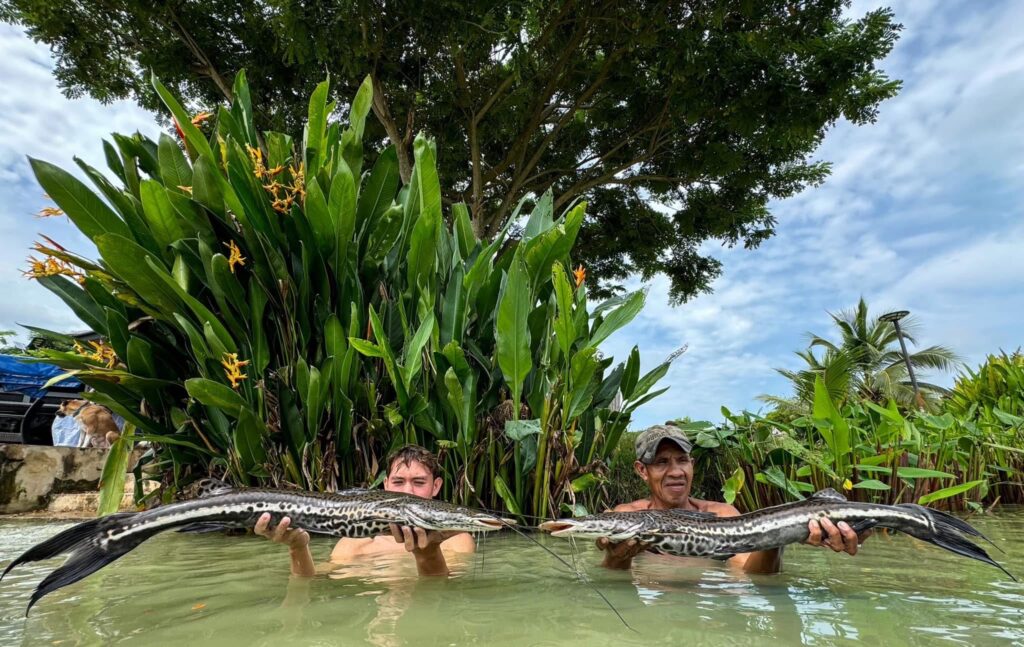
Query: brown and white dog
96, 422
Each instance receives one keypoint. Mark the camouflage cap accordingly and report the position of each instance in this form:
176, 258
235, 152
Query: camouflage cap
647, 442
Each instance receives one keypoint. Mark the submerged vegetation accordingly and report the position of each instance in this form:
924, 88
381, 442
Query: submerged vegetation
286, 313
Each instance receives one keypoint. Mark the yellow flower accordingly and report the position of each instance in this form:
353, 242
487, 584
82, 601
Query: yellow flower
236, 257
49, 212
100, 352
201, 117
186, 189
233, 368
256, 157
580, 274
38, 269
847, 485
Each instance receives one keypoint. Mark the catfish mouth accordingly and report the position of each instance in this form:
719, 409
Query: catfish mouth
494, 523
558, 528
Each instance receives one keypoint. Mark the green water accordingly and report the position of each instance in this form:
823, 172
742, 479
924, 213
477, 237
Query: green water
214, 590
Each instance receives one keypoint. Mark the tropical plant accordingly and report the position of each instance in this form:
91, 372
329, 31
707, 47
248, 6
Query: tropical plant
714, 107
271, 313
866, 363
871, 452
997, 384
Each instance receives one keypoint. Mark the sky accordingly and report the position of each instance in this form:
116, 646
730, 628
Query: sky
922, 212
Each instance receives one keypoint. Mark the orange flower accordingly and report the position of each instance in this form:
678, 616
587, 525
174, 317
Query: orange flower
181, 133
236, 257
233, 368
49, 212
201, 117
580, 275
38, 269
100, 352
256, 157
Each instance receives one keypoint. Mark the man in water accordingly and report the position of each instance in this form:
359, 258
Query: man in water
411, 470
663, 462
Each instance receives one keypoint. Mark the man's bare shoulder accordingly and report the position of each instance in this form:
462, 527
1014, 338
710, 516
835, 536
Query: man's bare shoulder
717, 508
633, 506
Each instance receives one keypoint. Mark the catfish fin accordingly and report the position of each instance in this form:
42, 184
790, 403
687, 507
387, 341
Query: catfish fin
211, 487
828, 494
691, 514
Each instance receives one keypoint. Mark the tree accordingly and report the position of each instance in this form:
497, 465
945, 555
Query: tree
676, 121
866, 363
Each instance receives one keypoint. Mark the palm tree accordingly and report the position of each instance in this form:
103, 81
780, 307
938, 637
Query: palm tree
866, 363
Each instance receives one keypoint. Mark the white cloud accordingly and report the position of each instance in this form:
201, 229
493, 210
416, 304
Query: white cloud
38, 121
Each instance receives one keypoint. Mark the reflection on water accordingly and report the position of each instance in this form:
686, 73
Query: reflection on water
206, 590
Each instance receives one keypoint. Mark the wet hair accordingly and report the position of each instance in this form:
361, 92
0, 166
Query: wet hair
409, 453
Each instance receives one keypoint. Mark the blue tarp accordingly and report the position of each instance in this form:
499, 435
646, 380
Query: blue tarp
16, 375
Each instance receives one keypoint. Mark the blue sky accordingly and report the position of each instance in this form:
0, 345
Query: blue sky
923, 212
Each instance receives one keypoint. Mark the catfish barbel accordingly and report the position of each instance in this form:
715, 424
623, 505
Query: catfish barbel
351, 513
702, 534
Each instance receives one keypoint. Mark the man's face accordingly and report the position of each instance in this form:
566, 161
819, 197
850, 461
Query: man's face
412, 478
669, 476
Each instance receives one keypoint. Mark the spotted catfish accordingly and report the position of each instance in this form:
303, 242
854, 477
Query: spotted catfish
702, 534
352, 513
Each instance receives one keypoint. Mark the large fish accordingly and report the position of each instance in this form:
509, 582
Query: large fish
702, 534
352, 513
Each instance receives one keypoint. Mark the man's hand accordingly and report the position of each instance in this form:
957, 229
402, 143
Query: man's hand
294, 538
418, 539
619, 555
841, 538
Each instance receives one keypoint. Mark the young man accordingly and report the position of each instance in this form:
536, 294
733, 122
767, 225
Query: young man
663, 462
411, 470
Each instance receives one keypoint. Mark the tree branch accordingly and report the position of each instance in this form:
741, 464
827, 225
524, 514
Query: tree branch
200, 55
380, 109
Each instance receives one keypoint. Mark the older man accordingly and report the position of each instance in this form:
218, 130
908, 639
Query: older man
411, 470
663, 462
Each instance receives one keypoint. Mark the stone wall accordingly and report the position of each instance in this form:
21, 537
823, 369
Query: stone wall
32, 475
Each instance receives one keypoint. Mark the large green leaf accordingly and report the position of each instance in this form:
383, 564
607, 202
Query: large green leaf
193, 136
342, 209
114, 470
174, 168
618, 318
565, 326
129, 261
379, 191
316, 128
425, 230
512, 330
215, 394
90, 214
84, 307
948, 492
163, 220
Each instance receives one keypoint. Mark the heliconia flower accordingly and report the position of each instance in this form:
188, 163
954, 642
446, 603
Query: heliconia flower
201, 117
38, 269
233, 368
101, 352
49, 212
236, 257
580, 275
181, 133
186, 189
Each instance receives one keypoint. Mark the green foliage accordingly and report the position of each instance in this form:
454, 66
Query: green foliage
871, 452
290, 319
997, 384
867, 363
714, 106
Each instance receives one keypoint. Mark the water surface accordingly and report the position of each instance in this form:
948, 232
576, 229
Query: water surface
213, 590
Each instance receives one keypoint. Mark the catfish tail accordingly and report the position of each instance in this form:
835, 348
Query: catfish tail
946, 531
90, 549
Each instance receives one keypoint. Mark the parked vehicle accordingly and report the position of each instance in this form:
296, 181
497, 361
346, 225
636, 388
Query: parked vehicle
27, 408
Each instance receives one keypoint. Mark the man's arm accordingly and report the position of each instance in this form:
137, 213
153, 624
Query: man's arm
618, 556
425, 546
296, 539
